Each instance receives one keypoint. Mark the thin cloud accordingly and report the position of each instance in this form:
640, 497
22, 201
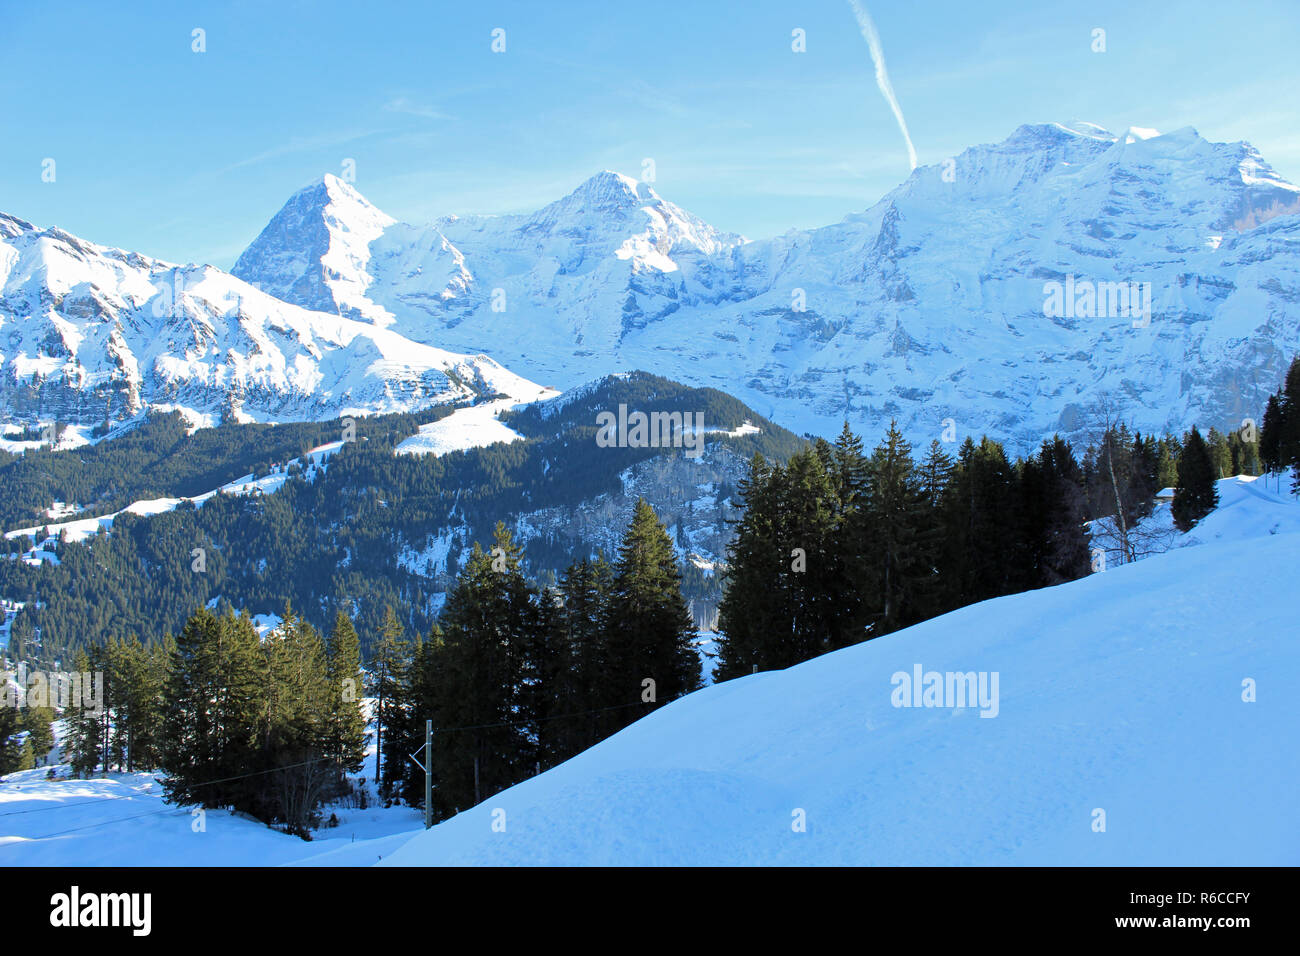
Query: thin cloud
299, 144
402, 104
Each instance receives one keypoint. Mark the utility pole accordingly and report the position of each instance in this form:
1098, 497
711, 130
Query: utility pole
428, 774
427, 767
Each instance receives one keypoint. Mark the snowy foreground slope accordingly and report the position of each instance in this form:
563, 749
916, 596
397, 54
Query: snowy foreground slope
121, 821
1120, 692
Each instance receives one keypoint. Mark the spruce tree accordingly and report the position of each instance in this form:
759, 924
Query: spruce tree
1053, 508
755, 561
484, 725
388, 667
346, 716
1270, 435
83, 747
584, 591
16, 751
404, 729
1197, 494
1289, 424
652, 658
850, 470
292, 726
38, 722
899, 534
210, 716
813, 573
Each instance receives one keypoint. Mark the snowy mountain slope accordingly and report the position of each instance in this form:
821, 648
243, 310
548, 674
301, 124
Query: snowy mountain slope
929, 305
1081, 724
472, 427
88, 332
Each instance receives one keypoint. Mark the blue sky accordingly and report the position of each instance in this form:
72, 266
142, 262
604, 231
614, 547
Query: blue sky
186, 155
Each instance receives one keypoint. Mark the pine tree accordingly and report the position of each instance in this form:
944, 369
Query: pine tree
210, 715
982, 552
135, 678
1289, 424
83, 746
1053, 503
1196, 495
38, 722
292, 725
346, 718
899, 535
388, 667
1216, 444
850, 470
935, 474
404, 729
652, 658
755, 561
1167, 463
1270, 435
485, 728
16, 750
584, 592
812, 572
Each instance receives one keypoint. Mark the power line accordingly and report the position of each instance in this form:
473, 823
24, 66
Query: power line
205, 783
256, 773
538, 720
102, 823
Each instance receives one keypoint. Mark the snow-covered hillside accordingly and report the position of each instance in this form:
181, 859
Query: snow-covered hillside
1249, 507
929, 305
1123, 694
472, 427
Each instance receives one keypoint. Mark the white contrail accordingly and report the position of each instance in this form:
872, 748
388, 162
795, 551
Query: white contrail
869, 34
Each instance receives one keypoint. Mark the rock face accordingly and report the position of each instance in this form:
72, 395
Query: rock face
89, 332
933, 304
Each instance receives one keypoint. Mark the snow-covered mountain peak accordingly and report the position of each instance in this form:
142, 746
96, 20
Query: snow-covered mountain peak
610, 209
929, 301
1135, 133
1085, 128
11, 226
315, 250
610, 190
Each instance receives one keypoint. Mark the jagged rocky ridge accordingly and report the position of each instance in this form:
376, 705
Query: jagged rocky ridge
930, 305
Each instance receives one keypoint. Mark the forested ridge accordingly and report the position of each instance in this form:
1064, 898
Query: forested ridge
327, 541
